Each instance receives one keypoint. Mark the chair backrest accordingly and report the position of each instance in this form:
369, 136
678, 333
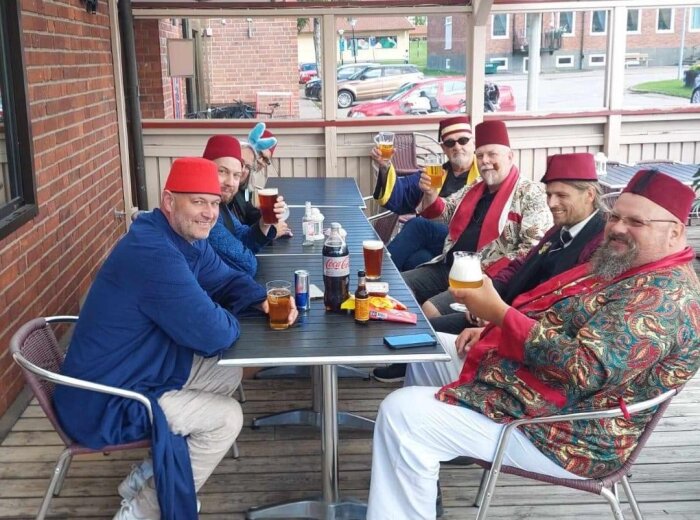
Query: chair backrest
404, 159
609, 200
36, 343
384, 225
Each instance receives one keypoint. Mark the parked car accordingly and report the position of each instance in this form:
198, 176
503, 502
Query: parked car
448, 91
306, 72
375, 82
313, 88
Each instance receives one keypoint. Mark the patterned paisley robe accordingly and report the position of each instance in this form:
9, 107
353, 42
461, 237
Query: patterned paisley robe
630, 339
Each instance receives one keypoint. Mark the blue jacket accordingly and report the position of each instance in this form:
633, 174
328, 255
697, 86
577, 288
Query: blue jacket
156, 301
237, 247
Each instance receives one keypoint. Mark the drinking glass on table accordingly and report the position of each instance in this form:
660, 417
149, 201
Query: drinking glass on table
385, 143
466, 271
279, 294
433, 167
373, 251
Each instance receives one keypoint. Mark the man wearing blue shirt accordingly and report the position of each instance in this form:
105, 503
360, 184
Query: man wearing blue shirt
161, 309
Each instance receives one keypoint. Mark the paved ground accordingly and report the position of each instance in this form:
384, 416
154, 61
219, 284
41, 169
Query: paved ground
564, 91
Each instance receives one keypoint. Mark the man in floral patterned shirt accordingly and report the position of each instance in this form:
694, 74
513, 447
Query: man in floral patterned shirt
623, 329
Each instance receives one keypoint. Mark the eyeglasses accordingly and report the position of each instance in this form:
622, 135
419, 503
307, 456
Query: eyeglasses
614, 218
450, 143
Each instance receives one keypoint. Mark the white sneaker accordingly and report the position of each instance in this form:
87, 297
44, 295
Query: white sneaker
135, 481
126, 512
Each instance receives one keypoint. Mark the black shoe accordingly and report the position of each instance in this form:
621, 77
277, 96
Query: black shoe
390, 374
438, 503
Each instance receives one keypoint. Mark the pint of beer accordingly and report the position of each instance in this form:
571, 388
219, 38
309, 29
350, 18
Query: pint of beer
267, 198
373, 251
466, 271
385, 142
437, 175
279, 295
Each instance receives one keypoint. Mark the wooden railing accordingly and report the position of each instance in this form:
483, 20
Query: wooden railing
302, 150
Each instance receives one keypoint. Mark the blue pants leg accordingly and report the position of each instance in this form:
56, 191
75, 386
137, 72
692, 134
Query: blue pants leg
419, 241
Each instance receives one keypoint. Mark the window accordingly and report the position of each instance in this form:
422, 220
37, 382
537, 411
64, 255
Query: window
633, 21
526, 62
453, 88
448, 32
694, 22
501, 62
565, 62
499, 26
599, 22
664, 20
596, 60
566, 23
17, 183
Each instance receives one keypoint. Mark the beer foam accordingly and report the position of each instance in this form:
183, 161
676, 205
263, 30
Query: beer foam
373, 244
466, 269
268, 192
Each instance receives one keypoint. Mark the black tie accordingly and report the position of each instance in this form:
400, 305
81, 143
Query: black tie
566, 237
560, 241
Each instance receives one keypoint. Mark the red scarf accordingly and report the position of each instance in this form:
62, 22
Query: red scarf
575, 281
489, 230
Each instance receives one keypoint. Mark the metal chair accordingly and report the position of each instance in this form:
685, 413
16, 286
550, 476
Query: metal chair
384, 224
609, 200
605, 486
36, 350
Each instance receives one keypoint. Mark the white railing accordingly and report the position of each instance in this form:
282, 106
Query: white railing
302, 152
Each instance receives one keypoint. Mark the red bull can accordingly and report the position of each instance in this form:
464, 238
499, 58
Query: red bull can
301, 290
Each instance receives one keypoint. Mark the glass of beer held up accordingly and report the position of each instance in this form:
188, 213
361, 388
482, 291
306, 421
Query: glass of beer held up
433, 168
267, 198
373, 251
466, 271
385, 142
279, 295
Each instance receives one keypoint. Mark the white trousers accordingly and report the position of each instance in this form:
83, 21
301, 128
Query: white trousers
205, 412
414, 432
436, 373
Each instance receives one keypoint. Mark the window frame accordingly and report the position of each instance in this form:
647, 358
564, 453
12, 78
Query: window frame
605, 28
559, 65
499, 59
572, 29
591, 63
671, 30
507, 26
448, 34
690, 20
638, 30
23, 205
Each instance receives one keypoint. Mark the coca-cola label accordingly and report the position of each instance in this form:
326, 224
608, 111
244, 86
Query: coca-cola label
336, 265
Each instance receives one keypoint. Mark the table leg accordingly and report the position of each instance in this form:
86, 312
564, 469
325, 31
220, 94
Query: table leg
312, 416
329, 507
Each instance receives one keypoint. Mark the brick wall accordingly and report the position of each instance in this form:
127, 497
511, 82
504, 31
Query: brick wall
156, 88
48, 264
239, 66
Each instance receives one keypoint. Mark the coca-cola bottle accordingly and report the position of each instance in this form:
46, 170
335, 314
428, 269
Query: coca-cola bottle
336, 269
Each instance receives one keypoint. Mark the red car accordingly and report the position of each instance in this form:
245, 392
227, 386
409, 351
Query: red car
448, 91
306, 72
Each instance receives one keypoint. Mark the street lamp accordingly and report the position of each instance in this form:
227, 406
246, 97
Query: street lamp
340, 44
353, 22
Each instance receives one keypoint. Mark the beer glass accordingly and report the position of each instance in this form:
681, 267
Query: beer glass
279, 295
373, 251
267, 198
466, 271
433, 168
385, 142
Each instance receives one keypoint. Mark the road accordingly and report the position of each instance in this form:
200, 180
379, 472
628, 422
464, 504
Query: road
563, 91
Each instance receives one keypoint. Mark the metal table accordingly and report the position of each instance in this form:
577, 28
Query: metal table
620, 174
322, 192
351, 218
324, 341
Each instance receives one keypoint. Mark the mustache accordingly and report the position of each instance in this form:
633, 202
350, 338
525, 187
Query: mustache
622, 238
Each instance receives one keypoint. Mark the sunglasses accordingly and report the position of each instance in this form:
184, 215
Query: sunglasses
450, 143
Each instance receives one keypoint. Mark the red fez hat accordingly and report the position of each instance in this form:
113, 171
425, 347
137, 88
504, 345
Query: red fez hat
453, 125
663, 190
223, 146
570, 167
193, 175
267, 133
491, 132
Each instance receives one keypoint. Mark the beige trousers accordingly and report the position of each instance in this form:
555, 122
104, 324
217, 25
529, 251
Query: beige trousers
204, 411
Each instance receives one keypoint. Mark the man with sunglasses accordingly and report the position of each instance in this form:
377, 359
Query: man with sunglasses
420, 239
502, 217
622, 329
236, 243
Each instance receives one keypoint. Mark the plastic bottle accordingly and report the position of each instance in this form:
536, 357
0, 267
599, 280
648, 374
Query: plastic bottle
361, 300
307, 225
336, 270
